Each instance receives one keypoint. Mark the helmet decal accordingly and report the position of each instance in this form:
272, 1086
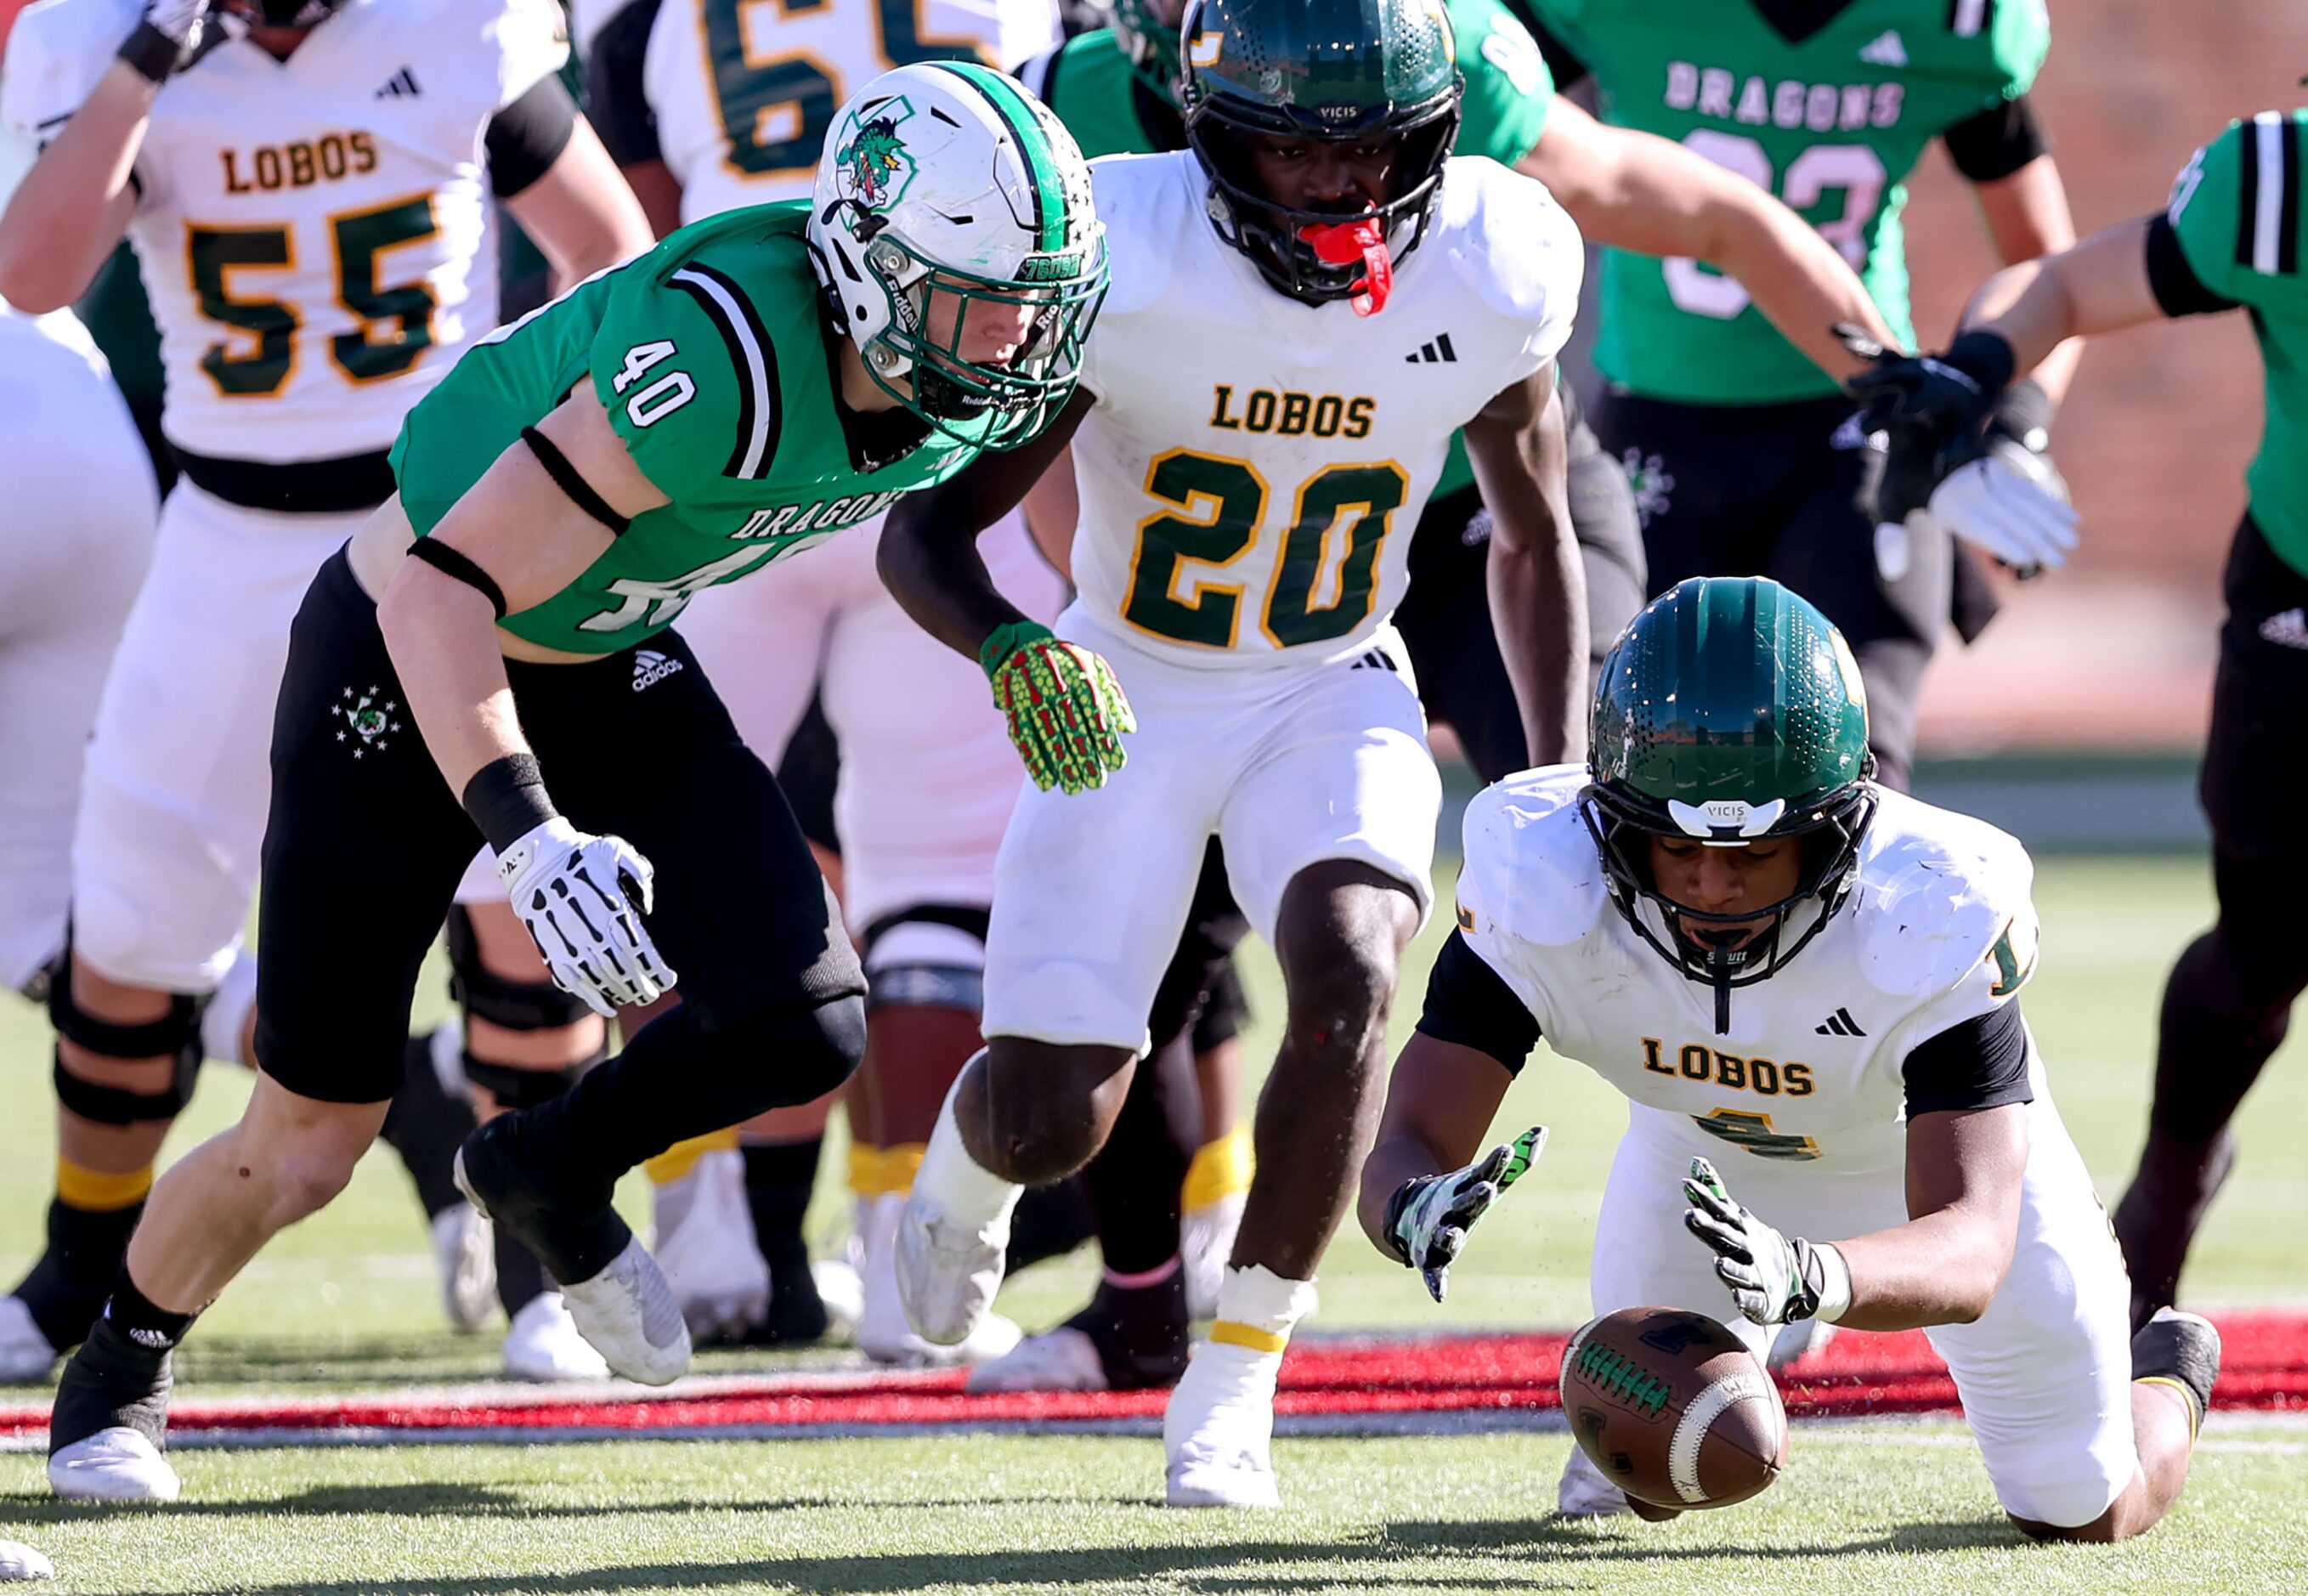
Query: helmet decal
871, 160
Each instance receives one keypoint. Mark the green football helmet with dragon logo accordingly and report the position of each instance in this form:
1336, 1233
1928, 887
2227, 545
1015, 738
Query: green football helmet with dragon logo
945, 179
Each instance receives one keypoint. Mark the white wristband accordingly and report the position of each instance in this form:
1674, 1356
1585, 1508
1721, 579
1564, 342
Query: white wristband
1834, 1284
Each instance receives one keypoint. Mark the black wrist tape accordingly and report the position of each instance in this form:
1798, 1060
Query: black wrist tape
1985, 358
453, 563
152, 53
506, 799
1395, 1204
2024, 414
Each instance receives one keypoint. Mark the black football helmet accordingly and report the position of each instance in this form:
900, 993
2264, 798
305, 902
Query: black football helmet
1331, 72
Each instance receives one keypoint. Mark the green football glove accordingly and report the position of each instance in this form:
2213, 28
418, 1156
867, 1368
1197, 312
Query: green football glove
1427, 1220
1066, 713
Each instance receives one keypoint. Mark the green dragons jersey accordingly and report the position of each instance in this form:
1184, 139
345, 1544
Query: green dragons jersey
1831, 124
1098, 95
709, 356
2236, 213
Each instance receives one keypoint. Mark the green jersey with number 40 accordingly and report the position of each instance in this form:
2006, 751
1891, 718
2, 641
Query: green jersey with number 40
711, 357
2236, 211
1832, 123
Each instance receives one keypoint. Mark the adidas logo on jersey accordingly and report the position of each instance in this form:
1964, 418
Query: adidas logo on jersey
401, 85
2289, 629
1436, 353
1839, 1023
1885, 49
651, 667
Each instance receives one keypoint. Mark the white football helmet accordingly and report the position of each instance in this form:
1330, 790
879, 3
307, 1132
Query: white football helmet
945, 177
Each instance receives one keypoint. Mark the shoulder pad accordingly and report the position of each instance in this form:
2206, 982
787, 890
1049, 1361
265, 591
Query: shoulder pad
1147, 202
1530, 867
58, 52
1515, 249
1939, 896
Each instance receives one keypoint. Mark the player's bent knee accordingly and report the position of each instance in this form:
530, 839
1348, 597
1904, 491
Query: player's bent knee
1050, 1106
2079, 1509
813, 1047
517, 1001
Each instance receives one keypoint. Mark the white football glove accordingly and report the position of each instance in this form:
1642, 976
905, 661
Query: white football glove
2007, 504
582, 899
1428, 1219
1774, 1279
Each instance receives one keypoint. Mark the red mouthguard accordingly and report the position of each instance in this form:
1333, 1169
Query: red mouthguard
1348, 243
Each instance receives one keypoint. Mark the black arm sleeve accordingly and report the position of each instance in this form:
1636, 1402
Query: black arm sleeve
1980, 1064
1469, 1003
614, 97
2178, 290
527, 137
1997, 142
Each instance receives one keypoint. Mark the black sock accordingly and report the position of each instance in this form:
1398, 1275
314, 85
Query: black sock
521, 1279
779, 1176
425, 1125
66, 1289
141, 1320
1140, 1332
112, 1381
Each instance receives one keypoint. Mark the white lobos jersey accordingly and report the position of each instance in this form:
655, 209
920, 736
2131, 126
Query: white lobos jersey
1253, 466
314, 234
744, 91
1938, 928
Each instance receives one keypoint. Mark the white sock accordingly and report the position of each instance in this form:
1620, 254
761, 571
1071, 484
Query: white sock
1258, 1309
970, 1193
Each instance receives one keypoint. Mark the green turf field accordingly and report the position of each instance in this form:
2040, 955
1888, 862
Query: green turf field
347, 1302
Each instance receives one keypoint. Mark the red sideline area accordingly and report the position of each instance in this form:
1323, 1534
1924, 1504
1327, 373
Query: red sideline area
2265, 1367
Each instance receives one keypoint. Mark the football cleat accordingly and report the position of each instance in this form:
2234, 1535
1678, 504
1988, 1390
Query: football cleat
1582, 1492
628, 1313
1060, 1359
26, 1358
706, 1245
464, 1248
1205, 1243
843, 1292
110, 1416
545, 1345
1218, 1431
2181, 1350
947, 1274
19, 1562
113, 1465
883, 1334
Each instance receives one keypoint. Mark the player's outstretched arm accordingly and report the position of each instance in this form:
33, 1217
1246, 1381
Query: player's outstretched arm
515, 539
2101, 285
1638, 192
1943, 1266
2027, 218
1426, 1180
1537, 583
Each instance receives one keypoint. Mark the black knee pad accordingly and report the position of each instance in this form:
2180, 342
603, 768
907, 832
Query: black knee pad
515, 1086
517, 1005
175, 1035
918, 981
1225, 1010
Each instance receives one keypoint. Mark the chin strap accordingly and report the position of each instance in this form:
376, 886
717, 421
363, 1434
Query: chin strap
1359, 242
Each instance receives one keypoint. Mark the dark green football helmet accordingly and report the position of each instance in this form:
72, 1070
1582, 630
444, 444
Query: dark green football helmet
1331, 72
1729, 710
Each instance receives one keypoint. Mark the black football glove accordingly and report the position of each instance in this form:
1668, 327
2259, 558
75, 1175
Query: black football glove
1944, 395
168, 37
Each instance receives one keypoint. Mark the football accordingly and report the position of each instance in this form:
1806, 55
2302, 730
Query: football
1672, 1408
